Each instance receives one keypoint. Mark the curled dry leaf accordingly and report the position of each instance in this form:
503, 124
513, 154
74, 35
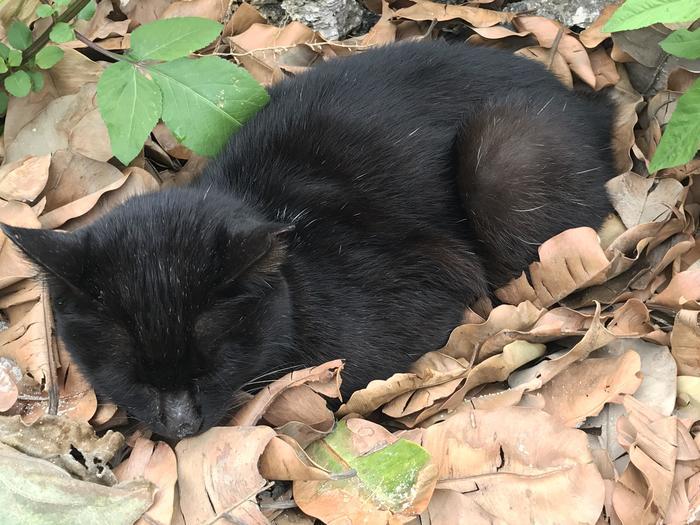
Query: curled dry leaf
544, 56
682, 292
568, 262
213, 9
394, 478
594, 34
641, 200
507, 460
218, 476
324, 378
156, 463
10, 375
284, 459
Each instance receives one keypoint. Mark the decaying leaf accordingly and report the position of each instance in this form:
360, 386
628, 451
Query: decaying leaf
393, 477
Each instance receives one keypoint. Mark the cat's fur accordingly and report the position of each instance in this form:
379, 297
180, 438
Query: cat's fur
355, 217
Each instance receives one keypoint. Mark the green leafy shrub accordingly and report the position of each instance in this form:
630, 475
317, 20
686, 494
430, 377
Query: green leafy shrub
681, 139
202, 100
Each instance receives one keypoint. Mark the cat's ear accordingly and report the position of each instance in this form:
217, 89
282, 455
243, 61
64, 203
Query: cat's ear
56, 253
262, 249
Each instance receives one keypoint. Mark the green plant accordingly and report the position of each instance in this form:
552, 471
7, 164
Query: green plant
202, 100
681, 138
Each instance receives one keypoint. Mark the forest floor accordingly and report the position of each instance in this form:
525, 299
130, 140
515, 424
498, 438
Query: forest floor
577, 400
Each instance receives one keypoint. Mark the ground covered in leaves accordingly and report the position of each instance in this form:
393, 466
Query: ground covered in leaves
577, 400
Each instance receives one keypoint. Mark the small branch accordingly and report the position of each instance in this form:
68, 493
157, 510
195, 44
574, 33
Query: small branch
52, 380
101, 50
555, 46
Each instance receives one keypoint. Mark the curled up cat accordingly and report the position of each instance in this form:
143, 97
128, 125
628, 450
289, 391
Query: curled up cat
356, 216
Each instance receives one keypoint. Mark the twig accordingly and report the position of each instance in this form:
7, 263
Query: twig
50, 349
285, 48
555, 46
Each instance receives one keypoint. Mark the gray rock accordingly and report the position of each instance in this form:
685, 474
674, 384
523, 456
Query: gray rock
571, 12
334, 19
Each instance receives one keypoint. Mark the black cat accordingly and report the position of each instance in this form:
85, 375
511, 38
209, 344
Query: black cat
355, 217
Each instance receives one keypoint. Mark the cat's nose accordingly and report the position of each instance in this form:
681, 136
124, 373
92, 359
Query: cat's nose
181, 416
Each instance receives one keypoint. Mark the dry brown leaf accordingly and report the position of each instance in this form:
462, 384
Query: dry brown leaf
284, 459
214, 9
24, 179
640, 200
155, 462
559, 67
327, 375
13, 266
428, 11
582, 389
682, 292
384, 31
300, 404
100, 26
594, 34
545, 30
218, 475
10, 375
169, 143
627, 101
568, 262
685, 342
514, 461
244, 17
604, 68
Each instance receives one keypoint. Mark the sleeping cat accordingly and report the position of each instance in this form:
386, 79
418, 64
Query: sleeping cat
355, 217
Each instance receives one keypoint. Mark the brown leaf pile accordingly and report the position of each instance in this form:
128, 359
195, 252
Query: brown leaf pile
576, 400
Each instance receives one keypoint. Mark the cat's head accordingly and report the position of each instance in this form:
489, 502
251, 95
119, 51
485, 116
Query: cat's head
169, 304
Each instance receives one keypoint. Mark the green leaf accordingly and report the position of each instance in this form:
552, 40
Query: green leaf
389, 475
19, 35
682, 43
634, 14
172, 38
49, 57
37, 78
44, 11
206, 100
87, 12
61, 33
61, 3
14, 58
18, 84
681, 138
130, 105
4, 51
3, 102
3, 66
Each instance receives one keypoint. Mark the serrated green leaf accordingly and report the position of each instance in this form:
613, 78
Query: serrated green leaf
206, 100
682, 43
14, 58
172, 38
130, 105
634, 14
87, 12
61, 33
4, 51
18, 84
3, 102
37, 78
19, 35
49, 57
3, 66
44, 11
681, 137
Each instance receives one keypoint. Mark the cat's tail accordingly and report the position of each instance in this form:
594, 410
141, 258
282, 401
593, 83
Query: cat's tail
530, 167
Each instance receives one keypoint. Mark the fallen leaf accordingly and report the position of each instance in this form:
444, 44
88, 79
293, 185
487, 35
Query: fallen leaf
429, 11
24, 179
514, 460
214, 9
156, 463
218, 475
685, 341
640, 200
394, 478
594, 35
37, 488
682, 292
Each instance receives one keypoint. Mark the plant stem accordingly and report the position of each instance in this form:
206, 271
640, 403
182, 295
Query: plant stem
101, 50
69, 14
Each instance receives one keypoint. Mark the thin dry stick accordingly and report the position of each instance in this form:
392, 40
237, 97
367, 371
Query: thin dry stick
50, 338
555, 47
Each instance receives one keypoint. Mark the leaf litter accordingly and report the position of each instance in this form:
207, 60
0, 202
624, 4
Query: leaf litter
576, 399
